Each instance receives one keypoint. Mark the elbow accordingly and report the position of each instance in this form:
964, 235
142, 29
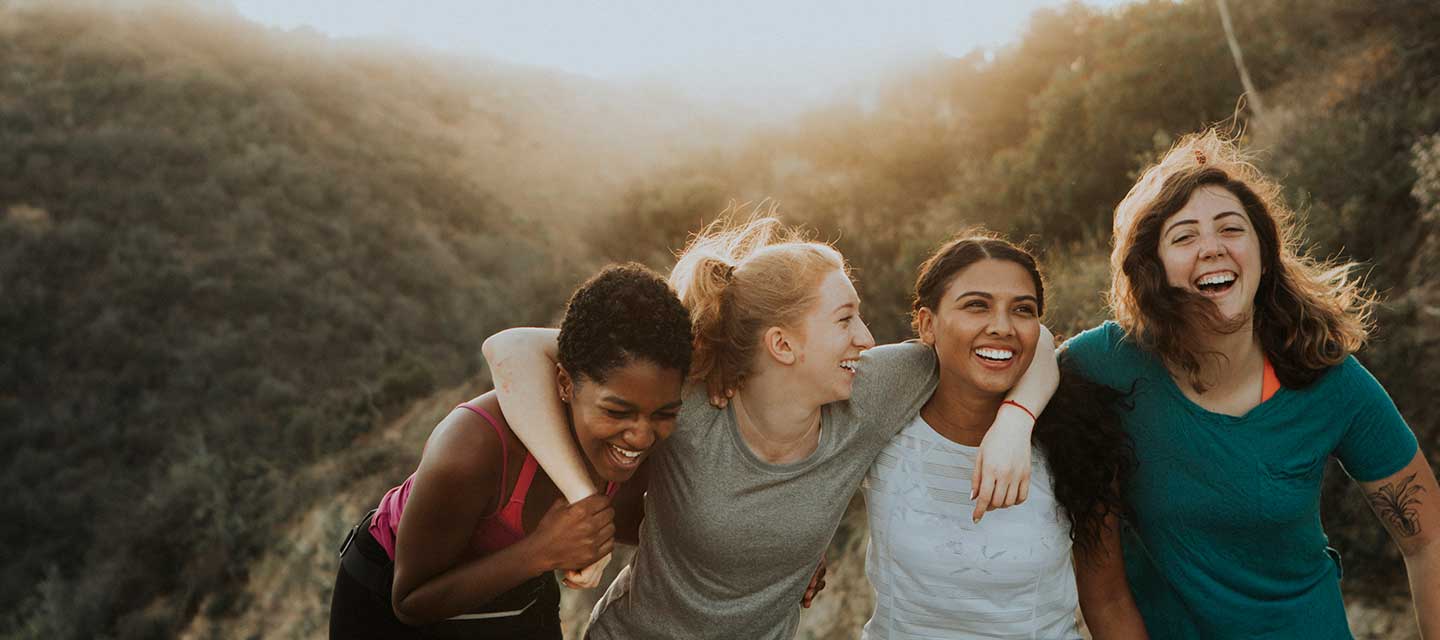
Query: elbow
496, 344
403, 613
407, 610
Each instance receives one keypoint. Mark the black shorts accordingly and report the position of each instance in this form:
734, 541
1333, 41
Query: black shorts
360, 605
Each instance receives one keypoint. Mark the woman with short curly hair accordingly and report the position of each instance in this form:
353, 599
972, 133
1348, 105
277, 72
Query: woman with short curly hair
1238, 351
466, 546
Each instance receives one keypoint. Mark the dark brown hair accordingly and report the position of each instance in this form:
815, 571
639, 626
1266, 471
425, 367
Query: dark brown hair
1309, 314
957, 255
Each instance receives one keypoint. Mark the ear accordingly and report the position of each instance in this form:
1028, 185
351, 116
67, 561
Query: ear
563, 384
779, 344
925, 324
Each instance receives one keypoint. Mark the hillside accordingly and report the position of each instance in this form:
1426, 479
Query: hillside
228, 251
246, 270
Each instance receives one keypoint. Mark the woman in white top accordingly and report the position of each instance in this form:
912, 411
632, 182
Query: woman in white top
938, 573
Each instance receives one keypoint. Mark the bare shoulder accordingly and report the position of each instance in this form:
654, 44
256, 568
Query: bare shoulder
464, 446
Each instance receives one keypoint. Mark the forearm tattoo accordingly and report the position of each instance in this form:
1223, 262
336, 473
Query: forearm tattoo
1396, 503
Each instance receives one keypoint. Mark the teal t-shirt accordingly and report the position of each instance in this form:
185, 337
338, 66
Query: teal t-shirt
1227, 541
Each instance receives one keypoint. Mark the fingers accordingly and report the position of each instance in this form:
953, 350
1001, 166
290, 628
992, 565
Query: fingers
1024, 490
983, 499
593, 503
975, 475
1012, 492
589, 578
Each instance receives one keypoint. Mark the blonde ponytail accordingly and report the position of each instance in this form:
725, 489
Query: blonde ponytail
739, 279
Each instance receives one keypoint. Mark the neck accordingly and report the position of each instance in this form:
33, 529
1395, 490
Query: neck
1242, 353
772, 408
960, 412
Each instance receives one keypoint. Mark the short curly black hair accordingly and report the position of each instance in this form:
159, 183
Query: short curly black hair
626, 312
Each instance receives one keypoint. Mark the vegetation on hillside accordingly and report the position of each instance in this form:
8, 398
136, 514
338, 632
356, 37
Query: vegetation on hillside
227, 252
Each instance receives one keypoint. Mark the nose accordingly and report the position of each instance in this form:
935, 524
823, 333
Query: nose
862, 337
640, 436
1000, 324
1211, 246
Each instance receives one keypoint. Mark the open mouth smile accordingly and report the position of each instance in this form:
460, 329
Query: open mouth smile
849, 365
624, 458
995, 357
1215, 283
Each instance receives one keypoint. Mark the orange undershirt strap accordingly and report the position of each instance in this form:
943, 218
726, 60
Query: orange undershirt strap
1270, 383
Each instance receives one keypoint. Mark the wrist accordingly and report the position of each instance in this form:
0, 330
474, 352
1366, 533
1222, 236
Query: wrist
1015, 414
537, 560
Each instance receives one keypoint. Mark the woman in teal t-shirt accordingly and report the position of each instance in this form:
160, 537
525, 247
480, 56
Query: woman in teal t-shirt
1238, 353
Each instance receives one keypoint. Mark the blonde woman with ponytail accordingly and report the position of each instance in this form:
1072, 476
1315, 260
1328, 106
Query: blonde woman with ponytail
743, 500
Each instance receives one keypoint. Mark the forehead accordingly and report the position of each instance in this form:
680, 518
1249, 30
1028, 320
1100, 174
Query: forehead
638, 380
1207, 202
836, 290
1000, 278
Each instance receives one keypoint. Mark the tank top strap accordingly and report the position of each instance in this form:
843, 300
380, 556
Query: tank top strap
504, 450
527, 476
611, 488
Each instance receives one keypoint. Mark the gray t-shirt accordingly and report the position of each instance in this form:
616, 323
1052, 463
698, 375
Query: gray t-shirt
729, 541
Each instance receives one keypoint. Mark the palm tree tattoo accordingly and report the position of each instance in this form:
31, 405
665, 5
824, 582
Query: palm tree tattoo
1396, 504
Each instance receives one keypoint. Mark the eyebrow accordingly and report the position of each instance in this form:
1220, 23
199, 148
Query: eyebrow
1222, 214
987, 296
630, 405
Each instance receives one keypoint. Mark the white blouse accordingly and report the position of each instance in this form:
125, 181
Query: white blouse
936, 574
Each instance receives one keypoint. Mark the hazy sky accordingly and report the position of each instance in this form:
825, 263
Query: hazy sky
699, 46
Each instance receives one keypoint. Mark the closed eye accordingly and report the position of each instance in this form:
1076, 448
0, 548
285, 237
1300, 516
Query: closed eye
618, 414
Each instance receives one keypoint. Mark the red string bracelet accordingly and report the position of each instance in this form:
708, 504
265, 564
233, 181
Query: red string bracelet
1021, 407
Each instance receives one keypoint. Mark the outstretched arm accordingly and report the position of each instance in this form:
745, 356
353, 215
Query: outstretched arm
1408, 502
522, 366
1002, 467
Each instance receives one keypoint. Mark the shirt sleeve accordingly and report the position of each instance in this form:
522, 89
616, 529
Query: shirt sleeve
891, 384
1377, 442
1095, 354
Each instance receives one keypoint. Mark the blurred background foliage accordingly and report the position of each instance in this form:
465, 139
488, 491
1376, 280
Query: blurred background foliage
232, 256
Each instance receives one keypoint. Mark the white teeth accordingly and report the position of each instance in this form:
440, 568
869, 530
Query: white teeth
995, 354
1216, 278
849, 365
626, 452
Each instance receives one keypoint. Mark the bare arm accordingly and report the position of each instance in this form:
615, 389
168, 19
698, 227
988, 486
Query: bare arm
436, 575
1408, 503
522, 365
1002, 467
1105, 598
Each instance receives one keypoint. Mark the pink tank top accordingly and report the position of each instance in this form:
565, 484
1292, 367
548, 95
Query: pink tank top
501, 529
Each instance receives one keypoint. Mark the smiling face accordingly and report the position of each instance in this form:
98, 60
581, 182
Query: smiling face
830, 338
1209, 247
619, 420
985, 326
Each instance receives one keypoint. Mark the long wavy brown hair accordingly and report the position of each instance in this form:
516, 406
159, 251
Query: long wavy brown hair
1310, 314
